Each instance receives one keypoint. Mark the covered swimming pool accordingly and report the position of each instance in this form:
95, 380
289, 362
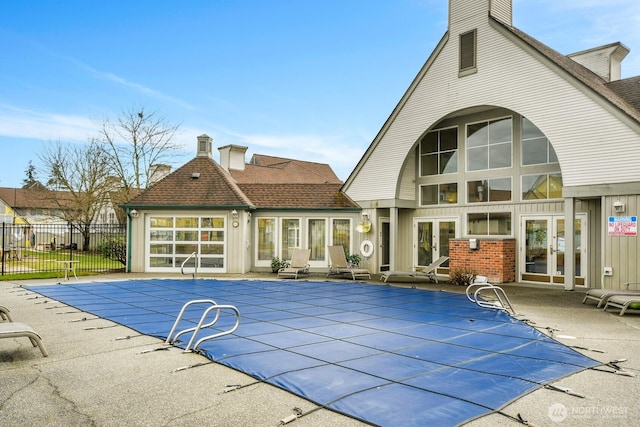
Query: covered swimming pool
383, 355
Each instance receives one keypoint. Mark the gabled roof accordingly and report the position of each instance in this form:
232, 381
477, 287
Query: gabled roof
200, 183
266, 182
278, 170
627, 89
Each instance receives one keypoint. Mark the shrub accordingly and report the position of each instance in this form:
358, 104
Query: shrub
462, 277
277, 264
353, 259
115, 249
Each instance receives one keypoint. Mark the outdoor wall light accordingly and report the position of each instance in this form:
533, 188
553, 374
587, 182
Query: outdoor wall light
618, 206
234, 214
134, 213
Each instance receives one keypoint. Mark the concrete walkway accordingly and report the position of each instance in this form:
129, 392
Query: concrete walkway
103, 374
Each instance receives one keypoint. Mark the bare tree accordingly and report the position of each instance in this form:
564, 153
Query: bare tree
78, 182
136, 142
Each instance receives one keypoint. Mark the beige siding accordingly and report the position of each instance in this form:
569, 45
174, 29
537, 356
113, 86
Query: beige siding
502, 10
622, 248
407, 189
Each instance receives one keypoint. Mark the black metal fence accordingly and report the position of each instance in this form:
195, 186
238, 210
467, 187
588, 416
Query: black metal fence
44, 248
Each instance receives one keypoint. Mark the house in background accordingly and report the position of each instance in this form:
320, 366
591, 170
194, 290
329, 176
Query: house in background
512, 159
238, 216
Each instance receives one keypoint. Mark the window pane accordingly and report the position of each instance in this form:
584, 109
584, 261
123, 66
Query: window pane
266, 242
553, 157
160, 222
160, 262
212, 222
211, 249
290, 237
449, 162
186, 236
164, 236
534, 187
317, 239
186, 222
500, 224
477, 223
477, 134
449, 139
429, 195
500, 190
429, 165
555, 186
478, 158
449, 193
500, 156
534, 151
186, 249
161, 249
341, 233
476, 191
429, 143
500, 131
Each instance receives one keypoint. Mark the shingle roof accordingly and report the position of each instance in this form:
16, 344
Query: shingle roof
21, 198
627, 89
295, 195
213, 187
578, 71
277, 170
267, 182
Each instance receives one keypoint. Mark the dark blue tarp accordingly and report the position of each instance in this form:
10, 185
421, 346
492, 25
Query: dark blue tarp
384, 355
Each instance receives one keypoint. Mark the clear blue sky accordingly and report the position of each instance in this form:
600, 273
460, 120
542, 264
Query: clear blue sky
308, 79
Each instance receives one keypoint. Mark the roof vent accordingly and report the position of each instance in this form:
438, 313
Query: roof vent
195, 175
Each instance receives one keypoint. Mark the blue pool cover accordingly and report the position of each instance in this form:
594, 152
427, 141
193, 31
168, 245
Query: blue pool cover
384, 355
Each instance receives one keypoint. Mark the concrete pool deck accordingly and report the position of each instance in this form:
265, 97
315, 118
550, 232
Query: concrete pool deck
100, 373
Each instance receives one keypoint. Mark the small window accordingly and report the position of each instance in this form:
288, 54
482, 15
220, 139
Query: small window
440, 194
490, 190
468, 51
439, 152
489, 224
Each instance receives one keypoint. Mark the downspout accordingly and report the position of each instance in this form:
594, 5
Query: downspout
129, 239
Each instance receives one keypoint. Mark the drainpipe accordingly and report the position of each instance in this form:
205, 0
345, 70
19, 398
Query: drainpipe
129, 221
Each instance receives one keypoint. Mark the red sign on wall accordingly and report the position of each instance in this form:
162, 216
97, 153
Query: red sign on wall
623, 226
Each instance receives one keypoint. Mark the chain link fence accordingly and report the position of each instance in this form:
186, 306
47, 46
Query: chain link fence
49, 248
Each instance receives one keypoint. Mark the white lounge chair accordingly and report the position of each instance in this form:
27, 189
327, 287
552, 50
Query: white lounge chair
338, 264
299, 264
601, 296
428, 272
11, 329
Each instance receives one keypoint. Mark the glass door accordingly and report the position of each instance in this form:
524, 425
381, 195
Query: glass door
431, 239
543, 255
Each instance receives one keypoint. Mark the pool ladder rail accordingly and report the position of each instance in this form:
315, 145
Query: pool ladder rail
195, 266
499, 299
212, 306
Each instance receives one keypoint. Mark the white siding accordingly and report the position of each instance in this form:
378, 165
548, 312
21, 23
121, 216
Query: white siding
588, 139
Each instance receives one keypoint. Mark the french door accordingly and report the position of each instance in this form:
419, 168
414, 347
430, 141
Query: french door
431, 239
543, 249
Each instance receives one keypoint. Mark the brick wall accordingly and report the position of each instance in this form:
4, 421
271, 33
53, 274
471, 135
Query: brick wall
494, 258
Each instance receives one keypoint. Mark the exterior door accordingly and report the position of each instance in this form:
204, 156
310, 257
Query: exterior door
543, 252
384, 245
431, 239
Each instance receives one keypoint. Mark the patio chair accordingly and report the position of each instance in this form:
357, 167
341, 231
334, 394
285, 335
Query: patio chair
624, 303
299, 264
428, 272
338, 264
11, 329
603, 295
